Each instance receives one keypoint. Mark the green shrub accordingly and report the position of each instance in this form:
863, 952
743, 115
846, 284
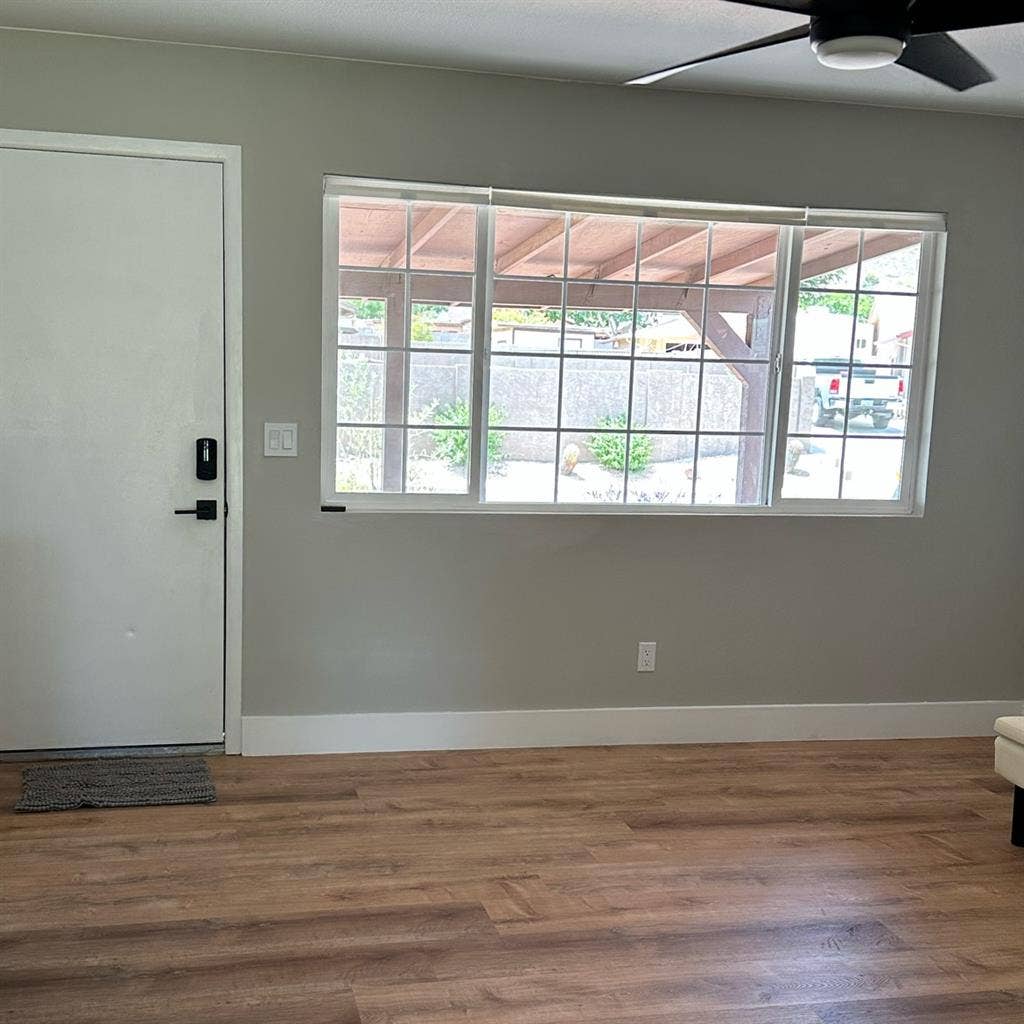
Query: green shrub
610, 449
453, 445
421, 329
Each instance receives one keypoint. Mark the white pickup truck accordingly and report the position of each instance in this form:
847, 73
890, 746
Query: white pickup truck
876, 393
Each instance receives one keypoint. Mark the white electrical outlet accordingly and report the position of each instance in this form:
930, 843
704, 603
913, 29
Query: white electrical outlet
646, 652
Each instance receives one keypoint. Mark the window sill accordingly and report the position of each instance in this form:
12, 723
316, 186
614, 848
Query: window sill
846, 510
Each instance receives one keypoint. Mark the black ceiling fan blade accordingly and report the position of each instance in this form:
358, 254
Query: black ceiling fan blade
802, 32
805, 7
942, 59
950, 15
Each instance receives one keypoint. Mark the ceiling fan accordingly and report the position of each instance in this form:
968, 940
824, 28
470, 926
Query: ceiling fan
859, 34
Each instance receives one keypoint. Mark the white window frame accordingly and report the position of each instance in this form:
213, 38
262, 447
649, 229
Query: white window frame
792, 222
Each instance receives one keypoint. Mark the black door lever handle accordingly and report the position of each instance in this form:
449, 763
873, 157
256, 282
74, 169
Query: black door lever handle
205, 509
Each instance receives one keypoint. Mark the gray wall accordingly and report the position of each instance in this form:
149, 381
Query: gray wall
385, 612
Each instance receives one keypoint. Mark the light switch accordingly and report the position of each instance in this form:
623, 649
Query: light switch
280, 439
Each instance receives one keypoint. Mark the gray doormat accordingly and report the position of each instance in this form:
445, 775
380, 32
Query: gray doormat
116, 782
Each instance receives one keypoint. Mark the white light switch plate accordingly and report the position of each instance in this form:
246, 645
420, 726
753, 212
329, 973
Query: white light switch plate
280, 439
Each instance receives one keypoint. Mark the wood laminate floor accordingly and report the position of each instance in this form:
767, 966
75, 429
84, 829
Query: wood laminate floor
799, 883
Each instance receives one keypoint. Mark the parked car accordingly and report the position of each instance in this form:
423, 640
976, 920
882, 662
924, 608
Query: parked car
876, 393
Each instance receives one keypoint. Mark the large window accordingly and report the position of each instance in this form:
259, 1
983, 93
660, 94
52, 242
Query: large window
508, 351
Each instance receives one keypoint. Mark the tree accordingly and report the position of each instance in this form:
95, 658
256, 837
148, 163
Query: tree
614, 321
521, 315
836, 302
367, 309
421, 329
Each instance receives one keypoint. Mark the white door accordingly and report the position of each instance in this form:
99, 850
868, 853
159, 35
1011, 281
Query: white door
111, 367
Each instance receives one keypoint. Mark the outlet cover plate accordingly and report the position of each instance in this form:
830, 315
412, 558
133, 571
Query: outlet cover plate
646, 654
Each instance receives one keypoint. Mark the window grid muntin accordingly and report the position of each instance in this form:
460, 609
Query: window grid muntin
930, 267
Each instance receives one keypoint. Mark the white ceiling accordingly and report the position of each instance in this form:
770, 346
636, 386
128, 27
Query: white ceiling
583, 40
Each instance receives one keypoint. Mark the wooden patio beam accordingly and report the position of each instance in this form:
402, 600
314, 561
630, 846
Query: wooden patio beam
661, 243
846, 256
745, 256
881, 244
531, 245
425, 225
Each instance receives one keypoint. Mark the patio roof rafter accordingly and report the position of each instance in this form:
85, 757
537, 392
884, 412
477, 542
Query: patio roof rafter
843, 256
525, 250
425, 225
658, 245
761, 250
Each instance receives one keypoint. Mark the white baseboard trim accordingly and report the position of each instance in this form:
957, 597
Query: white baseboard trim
469, 730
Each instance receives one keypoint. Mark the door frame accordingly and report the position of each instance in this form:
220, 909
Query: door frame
230, 159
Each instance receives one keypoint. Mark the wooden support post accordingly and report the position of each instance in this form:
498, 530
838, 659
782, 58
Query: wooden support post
729, 345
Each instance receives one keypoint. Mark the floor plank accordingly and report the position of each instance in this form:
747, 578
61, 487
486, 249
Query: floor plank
789, 883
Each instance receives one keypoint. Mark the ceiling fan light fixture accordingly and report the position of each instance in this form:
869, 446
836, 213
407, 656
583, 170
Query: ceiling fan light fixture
858, 53
856, 35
